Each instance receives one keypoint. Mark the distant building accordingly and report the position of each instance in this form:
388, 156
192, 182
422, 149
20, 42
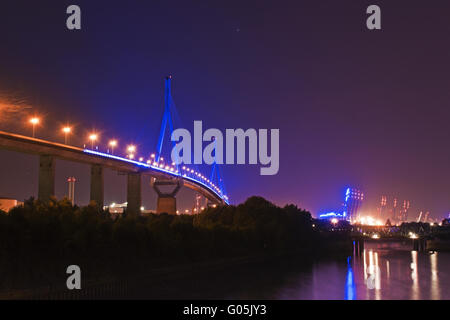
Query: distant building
352, 204
7, 204
117, 209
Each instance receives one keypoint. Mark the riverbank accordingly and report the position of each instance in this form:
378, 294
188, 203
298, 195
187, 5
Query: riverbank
420, 244
438, 245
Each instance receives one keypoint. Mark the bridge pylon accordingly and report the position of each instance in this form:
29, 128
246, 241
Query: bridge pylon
167, 202
97, 185
134, 193
46, 188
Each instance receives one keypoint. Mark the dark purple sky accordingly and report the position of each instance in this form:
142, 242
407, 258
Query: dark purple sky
354, 107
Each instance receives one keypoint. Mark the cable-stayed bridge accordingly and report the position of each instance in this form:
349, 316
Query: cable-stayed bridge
163, 175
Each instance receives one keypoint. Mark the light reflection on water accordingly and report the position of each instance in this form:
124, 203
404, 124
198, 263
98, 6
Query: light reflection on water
381, 271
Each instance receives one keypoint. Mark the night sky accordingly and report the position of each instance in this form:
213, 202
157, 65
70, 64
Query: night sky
361, 108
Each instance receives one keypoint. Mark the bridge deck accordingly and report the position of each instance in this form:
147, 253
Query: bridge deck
24, 144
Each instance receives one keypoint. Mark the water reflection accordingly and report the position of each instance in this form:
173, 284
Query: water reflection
415, 293
377, 270
435, 291
372, 274
350, 288
388, 272
383, 271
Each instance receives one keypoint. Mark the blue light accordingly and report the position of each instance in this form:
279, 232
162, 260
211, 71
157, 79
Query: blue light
350, 287
166, 117
347, 194
141, 164
196, 181
97, 153
331, 215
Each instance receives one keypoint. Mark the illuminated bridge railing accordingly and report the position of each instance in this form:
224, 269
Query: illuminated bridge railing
184, 172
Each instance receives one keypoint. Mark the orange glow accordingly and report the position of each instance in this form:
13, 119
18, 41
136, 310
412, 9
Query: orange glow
369, 221
66, 129
113, 143
34, 121
412, 235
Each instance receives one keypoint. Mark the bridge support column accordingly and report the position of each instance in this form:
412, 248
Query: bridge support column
167, 203
97, 185
134, 194
46, 178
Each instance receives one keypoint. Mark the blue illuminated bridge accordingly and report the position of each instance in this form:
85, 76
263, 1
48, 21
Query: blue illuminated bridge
162, 174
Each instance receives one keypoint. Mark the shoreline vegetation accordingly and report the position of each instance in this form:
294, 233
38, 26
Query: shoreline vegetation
39, 241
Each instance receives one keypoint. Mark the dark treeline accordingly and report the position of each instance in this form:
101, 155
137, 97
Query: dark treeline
38, 241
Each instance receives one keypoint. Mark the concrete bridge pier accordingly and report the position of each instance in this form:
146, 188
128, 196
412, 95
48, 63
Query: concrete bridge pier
97, 185
134, 194
166, 200
46, 178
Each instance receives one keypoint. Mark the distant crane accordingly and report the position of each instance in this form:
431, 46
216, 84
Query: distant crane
420, 216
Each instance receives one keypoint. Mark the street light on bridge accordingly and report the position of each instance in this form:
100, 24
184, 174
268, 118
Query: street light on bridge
131, 149
34, 121
113, 144
66, 130
93, 137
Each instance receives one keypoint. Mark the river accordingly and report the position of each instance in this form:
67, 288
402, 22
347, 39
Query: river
383, 270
